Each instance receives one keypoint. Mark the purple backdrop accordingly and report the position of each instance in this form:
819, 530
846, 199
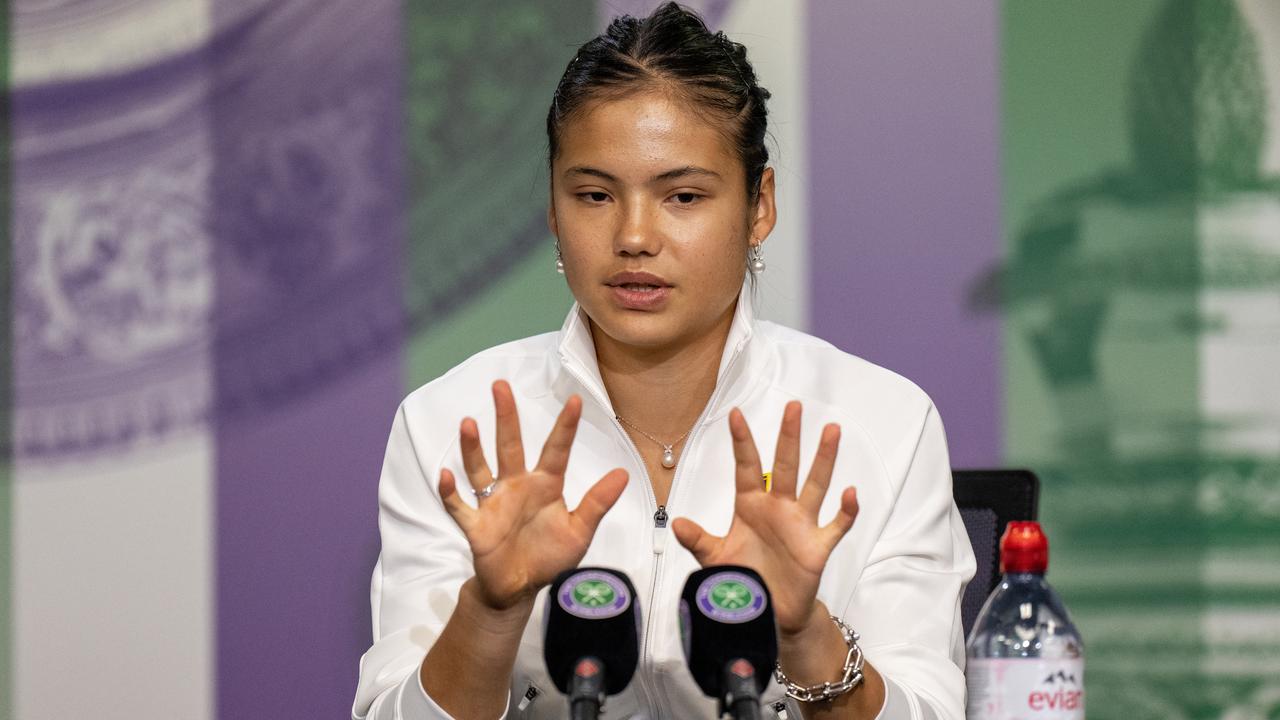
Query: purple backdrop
905, 198
308, 206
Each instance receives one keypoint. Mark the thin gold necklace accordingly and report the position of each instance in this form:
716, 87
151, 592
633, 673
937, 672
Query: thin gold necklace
668, 455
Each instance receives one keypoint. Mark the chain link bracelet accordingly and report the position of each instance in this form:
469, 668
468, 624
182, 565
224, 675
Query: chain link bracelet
850, 676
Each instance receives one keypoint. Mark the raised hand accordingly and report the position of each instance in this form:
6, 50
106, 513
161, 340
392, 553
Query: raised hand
522, 535
775, 532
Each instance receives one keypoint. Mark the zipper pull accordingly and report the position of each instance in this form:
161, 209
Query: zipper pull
531, 693
660, 530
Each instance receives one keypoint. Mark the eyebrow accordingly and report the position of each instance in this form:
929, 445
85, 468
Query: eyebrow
680, 172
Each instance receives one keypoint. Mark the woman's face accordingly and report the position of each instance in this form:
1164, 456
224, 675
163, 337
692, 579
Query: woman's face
649, 202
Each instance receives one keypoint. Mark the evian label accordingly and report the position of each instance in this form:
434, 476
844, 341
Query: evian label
1025, 689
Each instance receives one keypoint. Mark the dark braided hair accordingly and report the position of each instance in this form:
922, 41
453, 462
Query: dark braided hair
671, 50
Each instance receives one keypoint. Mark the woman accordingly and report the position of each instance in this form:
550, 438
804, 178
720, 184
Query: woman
660, 200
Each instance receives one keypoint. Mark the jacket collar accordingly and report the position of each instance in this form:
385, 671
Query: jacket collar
578, 356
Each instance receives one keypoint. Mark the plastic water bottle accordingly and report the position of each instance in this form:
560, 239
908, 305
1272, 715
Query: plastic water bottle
1026, 659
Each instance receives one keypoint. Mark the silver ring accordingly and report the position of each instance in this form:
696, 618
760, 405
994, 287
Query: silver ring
486, 491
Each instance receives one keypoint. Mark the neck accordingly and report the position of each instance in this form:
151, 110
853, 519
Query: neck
662, 390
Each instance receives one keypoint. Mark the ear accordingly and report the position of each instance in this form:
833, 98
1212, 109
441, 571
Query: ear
765, 214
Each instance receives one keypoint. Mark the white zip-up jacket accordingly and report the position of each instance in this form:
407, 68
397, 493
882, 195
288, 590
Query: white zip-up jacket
897, 577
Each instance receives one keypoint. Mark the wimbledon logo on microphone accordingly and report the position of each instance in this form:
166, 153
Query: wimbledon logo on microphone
731, 597
593, 595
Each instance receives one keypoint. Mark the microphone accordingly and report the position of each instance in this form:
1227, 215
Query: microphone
591, 640
730, 641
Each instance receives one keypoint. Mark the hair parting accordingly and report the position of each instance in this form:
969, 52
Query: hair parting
672, 51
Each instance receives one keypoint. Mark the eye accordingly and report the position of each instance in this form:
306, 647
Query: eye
594, 196
686, 198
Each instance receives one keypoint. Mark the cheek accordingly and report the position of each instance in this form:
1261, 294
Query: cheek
580, 230
724, 261
582, 254
584, 249
719, 252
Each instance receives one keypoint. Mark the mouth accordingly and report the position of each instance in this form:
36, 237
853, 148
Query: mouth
637, 281
639, 290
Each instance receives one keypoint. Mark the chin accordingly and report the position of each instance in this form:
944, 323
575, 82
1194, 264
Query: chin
638, 329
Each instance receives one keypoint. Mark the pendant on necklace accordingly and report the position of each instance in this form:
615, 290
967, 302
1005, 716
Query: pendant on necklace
668, 457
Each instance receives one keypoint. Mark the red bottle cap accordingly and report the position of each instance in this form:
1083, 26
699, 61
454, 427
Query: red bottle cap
1024, 548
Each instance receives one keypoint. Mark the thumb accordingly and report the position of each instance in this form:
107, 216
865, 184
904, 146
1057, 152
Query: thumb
600, 498
843, 521
461, 513
701, 543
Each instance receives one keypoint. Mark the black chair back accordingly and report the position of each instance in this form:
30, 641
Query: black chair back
988, 500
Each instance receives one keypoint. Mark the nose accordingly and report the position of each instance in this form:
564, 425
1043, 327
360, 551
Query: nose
637, 232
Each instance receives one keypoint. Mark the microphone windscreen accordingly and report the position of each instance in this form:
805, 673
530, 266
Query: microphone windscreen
726, 614
592, 612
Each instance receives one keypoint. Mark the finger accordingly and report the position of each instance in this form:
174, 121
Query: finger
473, 455
786, 457
510, 447
824, 463
461, 513
843, 520
746, 459
555, 452
600, 498
701, 543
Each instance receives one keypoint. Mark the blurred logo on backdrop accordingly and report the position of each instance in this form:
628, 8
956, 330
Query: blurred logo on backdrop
217, 212
112, 265
1149, 301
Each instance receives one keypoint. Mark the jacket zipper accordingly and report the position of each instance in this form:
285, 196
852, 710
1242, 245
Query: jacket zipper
659, 527
660, 517
660, 514
648, 488
659, 542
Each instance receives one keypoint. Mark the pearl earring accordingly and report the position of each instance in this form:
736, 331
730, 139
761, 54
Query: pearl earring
755, 258
559, 259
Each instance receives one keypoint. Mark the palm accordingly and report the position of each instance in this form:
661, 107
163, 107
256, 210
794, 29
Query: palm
523, 534
526, 536
763, 523
775, 532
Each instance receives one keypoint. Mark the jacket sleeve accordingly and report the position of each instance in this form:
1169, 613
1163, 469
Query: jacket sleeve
908, 596
423, 562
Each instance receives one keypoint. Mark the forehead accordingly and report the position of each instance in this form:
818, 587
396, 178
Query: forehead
642, 132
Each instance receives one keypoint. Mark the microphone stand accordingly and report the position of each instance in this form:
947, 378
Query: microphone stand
586, 689
741, 700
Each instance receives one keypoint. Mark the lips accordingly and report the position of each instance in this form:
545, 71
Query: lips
639, 290
637, 280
